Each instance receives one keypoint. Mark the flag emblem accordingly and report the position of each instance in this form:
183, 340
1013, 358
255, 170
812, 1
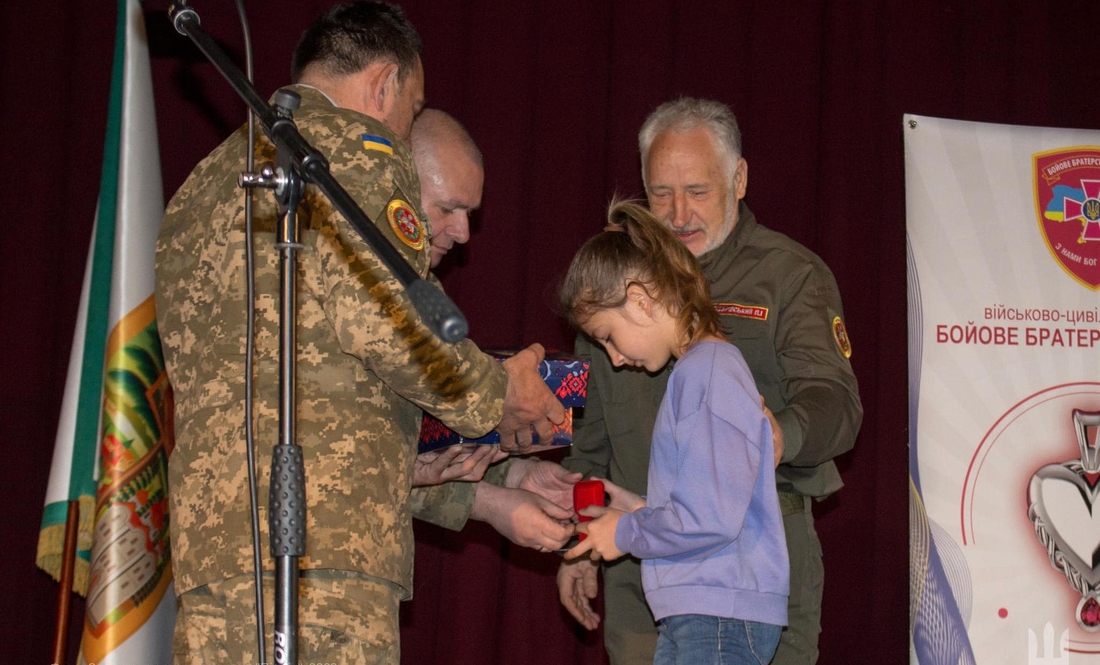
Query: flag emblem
118, 404
1067, 202
379, 143
405, 223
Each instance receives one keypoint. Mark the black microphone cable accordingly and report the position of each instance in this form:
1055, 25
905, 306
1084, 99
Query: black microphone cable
250, 347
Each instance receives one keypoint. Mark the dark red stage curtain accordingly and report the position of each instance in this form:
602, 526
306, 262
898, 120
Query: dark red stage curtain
554, 94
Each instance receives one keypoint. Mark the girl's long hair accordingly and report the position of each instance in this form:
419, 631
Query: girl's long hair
635, 248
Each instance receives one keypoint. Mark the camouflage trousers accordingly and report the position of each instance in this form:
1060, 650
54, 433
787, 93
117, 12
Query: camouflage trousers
343, 619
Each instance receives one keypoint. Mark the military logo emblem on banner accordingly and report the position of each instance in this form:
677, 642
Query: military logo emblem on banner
1067, 201
405, 223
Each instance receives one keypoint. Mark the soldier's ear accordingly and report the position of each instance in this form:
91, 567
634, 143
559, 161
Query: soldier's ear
377, 84
388, 90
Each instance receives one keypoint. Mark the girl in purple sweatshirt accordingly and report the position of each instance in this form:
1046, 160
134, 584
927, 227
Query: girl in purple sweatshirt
709, 532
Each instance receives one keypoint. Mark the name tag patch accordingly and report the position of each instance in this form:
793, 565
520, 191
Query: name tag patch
744, 311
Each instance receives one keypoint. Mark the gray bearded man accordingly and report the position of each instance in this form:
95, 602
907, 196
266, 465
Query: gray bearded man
779, 304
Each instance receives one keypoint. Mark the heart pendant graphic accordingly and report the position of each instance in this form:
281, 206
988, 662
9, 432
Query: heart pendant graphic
1064, 502
1064, 506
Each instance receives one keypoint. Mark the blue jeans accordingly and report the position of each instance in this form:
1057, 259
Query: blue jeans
697, 639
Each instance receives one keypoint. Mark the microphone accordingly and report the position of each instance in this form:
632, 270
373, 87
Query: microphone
586, 493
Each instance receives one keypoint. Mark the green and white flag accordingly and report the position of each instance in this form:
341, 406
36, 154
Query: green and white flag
115, 431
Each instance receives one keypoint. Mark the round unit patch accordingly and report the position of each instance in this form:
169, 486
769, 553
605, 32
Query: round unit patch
841, 337
405, 224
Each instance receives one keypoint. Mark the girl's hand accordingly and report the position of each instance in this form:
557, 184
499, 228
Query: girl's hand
600, 540
622, 499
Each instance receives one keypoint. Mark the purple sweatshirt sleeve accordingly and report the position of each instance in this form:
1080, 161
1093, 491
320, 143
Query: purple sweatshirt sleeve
711, 491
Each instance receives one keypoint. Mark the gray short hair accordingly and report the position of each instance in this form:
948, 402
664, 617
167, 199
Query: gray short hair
688, 113
433, 128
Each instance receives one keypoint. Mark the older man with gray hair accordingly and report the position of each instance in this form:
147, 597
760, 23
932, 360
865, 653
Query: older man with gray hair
779, 303
451, 178
452, 174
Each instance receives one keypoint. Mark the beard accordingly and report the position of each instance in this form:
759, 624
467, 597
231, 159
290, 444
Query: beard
727, 225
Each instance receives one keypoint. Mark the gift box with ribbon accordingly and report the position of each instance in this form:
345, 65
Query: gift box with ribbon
565, 375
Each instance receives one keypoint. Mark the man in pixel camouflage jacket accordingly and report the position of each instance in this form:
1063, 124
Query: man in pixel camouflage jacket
367, 366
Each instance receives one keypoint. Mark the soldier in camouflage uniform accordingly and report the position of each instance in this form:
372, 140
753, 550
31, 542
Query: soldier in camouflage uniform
451, 179
367, 366
452, 174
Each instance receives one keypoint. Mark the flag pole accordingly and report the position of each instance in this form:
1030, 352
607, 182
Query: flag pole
65, 587
117, 406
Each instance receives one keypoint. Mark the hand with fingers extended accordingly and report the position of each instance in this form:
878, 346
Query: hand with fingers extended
548, 479
462, 462
522, 517
600, 541
577, 589
527, 402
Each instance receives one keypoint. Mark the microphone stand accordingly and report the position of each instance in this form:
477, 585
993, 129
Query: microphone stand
297, 163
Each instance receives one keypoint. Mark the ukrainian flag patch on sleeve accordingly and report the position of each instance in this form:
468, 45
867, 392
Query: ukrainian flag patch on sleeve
379, 143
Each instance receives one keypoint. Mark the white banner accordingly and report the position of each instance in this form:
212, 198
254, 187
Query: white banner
1003, 229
